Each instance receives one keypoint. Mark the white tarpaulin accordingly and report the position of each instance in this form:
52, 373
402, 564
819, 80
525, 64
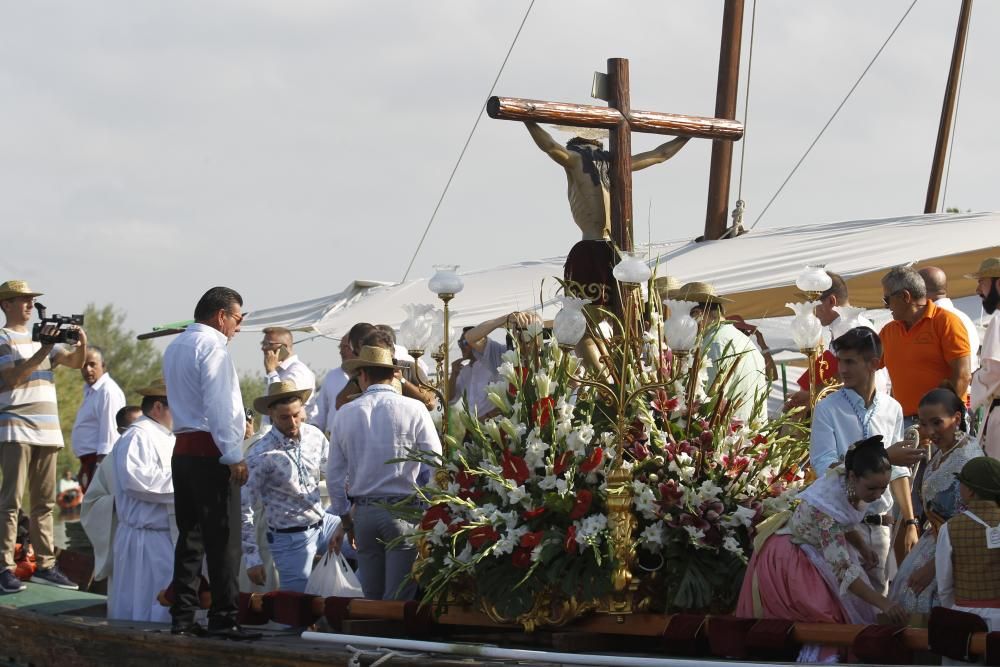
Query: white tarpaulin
756, 270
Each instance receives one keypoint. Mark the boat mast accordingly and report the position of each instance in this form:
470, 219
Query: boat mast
725, 107
947, 109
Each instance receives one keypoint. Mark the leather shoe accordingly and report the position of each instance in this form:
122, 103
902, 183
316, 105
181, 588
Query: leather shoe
190, 630
235, 633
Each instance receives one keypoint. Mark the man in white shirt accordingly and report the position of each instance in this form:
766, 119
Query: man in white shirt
285, 468
207, 464
336, 379
143, 553
95, 429
281, 364
855, 412
985, 388
373, 429
936, 282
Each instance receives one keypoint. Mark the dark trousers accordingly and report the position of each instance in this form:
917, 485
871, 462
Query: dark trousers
207, 504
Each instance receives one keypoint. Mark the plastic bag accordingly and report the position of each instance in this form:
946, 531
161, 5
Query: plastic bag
333, 577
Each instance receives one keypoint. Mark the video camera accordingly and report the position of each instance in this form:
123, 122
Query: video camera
61, 322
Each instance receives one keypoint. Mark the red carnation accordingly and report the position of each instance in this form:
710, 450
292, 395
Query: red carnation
528, 515
433, 515
515, 468
591, 462
569, 544
562, 462
532, 540
581, 504
542, 410
481, 535
521, 558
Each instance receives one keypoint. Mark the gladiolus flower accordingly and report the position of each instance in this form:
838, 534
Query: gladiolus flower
515, 468
591, 463
532, 540
581, 505
542, 410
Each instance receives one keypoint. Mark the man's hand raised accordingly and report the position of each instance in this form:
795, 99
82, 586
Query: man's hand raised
238, 472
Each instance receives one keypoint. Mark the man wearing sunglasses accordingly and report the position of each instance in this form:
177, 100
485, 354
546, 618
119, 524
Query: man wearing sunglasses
925, 346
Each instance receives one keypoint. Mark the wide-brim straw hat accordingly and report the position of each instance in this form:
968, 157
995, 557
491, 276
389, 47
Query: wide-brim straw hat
156, 388
277, 391
15, 288
371, 356
664, 285
698, 292
990, 268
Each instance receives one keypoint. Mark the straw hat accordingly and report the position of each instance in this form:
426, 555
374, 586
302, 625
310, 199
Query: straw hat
990, 268
16, 288
277, 391
157, 388
371, 355
698, 292
664, 285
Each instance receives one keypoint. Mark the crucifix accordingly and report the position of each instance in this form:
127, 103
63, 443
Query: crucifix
621, 120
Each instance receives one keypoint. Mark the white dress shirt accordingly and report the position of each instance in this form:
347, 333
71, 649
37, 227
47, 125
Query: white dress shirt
284, 478
326, 401
95, 430
473, 378
841, 419
944, 303
203, 389
371, 430
294, 370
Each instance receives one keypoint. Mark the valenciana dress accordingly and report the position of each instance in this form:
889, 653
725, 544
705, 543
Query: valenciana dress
938, 492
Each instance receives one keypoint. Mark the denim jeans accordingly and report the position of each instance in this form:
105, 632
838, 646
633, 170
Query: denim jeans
381, 570
294, 553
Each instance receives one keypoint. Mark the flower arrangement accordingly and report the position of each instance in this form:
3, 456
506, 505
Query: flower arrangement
520, 518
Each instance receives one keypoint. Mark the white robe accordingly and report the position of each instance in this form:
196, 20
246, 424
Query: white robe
986, 386
144, 539
97, 517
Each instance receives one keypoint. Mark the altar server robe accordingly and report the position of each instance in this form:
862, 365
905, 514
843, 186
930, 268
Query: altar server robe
145, 536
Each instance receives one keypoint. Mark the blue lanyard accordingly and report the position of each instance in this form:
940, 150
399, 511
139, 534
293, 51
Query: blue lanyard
864, 418
297, 462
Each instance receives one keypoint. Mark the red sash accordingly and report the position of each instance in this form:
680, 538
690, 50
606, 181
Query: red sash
196, 443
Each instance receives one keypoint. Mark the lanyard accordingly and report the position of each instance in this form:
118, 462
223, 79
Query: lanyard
297, 462
864, 418
992, 533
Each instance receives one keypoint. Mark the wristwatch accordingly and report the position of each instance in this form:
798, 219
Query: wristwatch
912, 522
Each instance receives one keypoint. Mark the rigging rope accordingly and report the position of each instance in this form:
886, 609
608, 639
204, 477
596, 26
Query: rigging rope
466, 146
839, 107
954, 128
746, 100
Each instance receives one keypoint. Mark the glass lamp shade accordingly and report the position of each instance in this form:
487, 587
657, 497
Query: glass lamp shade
850, 313
415, 331
680, 328
570, 323
445, 280
813, 279
807, 331
436, 316
632, 269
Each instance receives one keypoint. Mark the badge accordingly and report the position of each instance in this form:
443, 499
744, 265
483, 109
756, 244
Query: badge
993, 538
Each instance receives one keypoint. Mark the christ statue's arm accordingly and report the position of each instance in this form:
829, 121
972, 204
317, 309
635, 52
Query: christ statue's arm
659, 154
550, 146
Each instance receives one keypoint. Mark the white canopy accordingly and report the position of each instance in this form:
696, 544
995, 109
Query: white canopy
756, 270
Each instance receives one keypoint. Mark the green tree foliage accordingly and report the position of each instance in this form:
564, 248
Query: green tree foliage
252, 385
132, 363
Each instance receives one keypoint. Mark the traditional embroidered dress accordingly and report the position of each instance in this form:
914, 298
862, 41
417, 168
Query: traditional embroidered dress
968, 572
144, 500
939, 492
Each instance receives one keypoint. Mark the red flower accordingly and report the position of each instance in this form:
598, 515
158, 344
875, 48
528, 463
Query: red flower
521, 558
528, 515
481, 535
433, 515
670, 494
532, 540
515, 468
569, 544
562, 462
581, 504
542, 410
760, 439
591, 462
465, 479
639, 451
523, 372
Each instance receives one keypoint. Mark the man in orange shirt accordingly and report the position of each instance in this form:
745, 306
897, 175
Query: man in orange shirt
925, 346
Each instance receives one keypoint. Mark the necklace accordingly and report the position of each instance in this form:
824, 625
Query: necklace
939, 457
864, 417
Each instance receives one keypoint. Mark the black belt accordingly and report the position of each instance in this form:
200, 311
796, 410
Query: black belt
297, 529
877, 520
379, 500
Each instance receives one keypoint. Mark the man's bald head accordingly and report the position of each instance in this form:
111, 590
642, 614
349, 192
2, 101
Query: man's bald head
936, 282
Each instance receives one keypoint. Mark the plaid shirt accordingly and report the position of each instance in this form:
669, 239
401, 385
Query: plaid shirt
976, 568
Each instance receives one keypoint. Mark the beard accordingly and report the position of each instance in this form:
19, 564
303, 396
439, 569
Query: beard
992, 299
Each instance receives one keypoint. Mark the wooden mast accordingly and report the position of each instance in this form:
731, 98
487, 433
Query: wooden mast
948, 109
725, 107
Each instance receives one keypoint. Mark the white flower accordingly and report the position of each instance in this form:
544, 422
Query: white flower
709, 490
465, 555
516, 495
511, 357
564, 409
452, 489
509, 540
607, 440
506, 370
644, 500
563, 428
543, 384
695, 533
572, 363
492, 430
741, 515
536, 553
515, 430
652, 537
499, 397
732, 544
578, 439
548, 482
562, 486
589, 528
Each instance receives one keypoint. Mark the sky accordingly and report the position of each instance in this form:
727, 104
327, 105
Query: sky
287, 147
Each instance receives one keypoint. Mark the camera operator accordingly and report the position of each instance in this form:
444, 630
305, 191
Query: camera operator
30, 437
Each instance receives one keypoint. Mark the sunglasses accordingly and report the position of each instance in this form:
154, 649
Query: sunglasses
885, 299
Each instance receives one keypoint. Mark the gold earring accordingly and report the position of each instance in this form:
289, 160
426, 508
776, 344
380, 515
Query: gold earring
852, 493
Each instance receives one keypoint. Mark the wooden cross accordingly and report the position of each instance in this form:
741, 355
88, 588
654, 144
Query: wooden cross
621, 120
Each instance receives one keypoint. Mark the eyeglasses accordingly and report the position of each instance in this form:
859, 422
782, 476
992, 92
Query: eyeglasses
237, 318
885, 299
462, 343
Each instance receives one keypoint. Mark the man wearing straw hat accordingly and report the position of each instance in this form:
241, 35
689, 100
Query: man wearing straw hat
379, 426
726, 349
30, 438
144, 505
285, 467
986, 382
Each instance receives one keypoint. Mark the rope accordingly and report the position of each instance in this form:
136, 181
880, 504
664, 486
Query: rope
385, 655
954, 129
746, 98
839, 107
479, 117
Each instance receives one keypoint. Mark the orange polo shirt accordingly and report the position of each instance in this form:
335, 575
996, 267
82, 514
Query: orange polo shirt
917, 358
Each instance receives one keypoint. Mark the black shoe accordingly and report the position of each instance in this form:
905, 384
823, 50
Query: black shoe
235, 632
190, 630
